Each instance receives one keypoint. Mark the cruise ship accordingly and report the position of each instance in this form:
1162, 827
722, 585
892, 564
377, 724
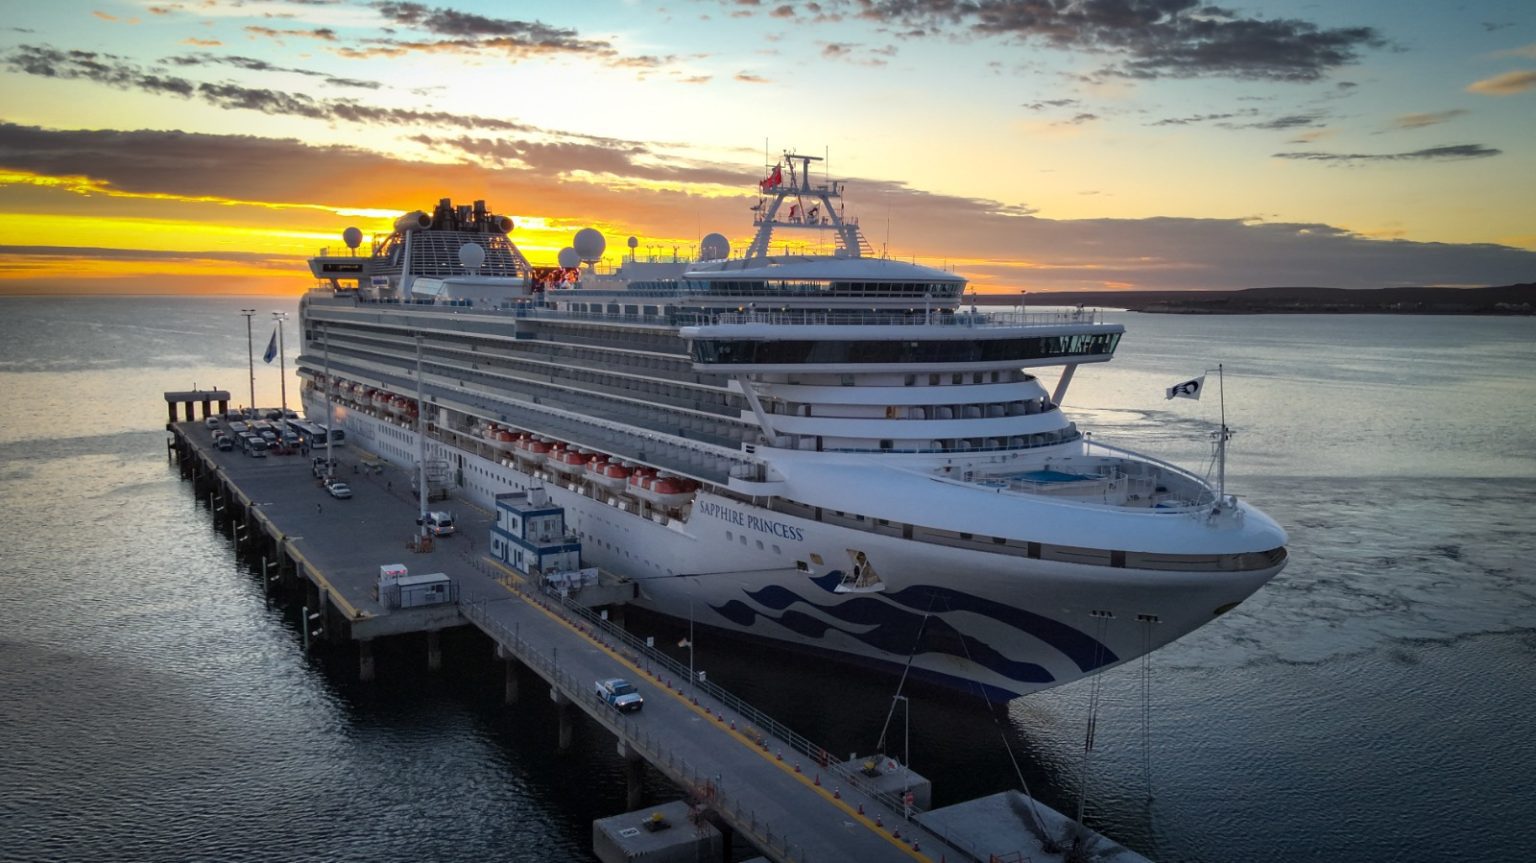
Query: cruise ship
830, 451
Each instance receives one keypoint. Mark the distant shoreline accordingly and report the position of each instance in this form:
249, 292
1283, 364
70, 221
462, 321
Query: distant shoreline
1502, 300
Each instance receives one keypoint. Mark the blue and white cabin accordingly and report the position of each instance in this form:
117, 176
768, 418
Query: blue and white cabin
530, 536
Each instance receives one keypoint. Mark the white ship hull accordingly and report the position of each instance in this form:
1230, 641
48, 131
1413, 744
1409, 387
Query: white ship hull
997, 623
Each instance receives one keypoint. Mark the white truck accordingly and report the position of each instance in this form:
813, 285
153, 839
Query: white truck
620, 694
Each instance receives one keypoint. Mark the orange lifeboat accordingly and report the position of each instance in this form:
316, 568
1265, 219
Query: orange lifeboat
534, 449
570, 461
664, 490
613, 476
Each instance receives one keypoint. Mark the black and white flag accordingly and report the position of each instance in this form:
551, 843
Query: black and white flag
1188, 389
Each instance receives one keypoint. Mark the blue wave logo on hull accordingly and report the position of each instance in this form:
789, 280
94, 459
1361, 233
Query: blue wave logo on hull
886, 624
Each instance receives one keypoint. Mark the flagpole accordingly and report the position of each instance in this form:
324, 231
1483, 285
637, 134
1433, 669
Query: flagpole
282, 369
1221, 451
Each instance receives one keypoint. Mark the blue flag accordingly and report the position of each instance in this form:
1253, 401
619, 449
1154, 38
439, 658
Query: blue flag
271, 347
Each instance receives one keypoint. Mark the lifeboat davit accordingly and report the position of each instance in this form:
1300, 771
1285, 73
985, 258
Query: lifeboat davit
662, 490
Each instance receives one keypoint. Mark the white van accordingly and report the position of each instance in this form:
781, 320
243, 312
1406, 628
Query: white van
440, 523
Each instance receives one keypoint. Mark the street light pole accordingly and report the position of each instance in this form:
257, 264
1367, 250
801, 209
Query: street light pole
421, 440
906, 756
282, 351
250, 356
325, 350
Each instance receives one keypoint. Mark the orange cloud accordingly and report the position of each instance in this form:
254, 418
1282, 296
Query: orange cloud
1505, 84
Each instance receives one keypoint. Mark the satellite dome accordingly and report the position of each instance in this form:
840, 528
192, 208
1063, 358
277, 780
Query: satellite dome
569, 259
633, 242
589, 244
472, 255
714, 247
352, 237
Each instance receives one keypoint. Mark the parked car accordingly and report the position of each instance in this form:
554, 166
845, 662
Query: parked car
211, 422
339, 489
620, 694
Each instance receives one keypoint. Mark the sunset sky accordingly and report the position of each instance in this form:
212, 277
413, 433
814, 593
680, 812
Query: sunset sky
211, 146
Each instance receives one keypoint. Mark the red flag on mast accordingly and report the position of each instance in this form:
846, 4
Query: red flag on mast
773, 180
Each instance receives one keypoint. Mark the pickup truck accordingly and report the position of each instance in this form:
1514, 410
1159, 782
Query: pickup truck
620, 694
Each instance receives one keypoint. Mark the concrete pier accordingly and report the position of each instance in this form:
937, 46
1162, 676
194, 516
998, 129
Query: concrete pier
434, 651
786, 796
365, 667
670, 833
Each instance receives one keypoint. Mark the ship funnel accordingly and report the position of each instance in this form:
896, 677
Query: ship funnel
413, 222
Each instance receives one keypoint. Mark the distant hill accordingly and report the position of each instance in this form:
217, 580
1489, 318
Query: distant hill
1503, 300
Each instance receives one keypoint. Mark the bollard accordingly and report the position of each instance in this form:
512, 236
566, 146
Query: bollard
878, 821
818, 780
837, 793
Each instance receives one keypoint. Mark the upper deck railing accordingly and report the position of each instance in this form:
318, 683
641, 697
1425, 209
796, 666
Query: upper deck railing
907, 318
784, 318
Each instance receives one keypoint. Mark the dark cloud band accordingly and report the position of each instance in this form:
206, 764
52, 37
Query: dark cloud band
1455, 151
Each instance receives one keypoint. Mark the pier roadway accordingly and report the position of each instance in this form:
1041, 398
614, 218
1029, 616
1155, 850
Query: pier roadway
786, 805
787, 797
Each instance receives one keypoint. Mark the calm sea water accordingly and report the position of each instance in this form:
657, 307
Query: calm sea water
1371, 704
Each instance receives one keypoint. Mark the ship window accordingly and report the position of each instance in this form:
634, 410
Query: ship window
965, 536
815, 558
759, 545
909, 381
743, 539
729, 535
933, 380
957, 379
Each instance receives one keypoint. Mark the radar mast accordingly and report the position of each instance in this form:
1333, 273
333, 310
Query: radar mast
810, 206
